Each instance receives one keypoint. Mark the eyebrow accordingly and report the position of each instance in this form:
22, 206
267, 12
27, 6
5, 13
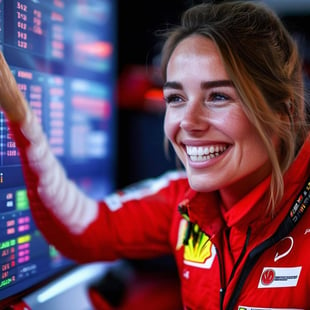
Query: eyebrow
219, 83
174, 85
203, 85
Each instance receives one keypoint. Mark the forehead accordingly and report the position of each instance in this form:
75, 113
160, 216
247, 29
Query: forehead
196, 55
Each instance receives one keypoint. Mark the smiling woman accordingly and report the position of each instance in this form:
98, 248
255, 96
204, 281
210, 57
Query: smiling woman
261, 79
235, 116
204, 111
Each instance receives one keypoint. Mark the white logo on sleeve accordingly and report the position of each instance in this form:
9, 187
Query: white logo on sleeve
287, 244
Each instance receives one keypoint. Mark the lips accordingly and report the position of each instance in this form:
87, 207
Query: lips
203, 153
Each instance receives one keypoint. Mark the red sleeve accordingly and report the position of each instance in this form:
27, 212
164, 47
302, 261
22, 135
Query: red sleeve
136, 223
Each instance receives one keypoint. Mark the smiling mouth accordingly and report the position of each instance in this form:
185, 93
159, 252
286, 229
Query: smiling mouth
203, 153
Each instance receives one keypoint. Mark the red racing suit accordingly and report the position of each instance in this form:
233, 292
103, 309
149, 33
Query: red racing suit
237, 259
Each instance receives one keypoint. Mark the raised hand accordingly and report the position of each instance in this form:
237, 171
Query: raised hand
12, 101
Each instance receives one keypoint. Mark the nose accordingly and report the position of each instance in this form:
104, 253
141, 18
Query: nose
195, 117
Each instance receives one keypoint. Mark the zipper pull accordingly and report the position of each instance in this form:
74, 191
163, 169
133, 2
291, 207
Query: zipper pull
222, 293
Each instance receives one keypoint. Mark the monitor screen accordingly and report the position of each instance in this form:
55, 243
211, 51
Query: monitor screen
62, 54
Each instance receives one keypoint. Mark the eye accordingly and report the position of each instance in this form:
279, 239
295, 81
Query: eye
217, 96
217, 99
173, 99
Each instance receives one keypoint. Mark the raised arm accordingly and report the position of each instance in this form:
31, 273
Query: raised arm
61, 210
80, 227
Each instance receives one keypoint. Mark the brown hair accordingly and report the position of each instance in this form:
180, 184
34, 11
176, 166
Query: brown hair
263, 61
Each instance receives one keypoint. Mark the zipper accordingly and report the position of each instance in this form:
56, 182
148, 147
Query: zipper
222, 276
248, 266
222, 279
222, 294
248, 234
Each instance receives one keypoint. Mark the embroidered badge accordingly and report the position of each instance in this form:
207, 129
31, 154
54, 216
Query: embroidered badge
199, 251
279, 277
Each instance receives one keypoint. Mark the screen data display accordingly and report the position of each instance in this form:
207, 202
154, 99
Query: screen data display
62, 54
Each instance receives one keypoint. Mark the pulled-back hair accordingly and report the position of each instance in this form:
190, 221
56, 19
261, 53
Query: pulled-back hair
263, 62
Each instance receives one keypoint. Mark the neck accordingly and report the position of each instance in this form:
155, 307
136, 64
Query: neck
233, 193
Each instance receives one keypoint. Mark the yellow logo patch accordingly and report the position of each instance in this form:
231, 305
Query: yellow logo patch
199, 251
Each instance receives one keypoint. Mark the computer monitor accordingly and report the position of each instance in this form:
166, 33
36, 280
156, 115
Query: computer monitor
62, 54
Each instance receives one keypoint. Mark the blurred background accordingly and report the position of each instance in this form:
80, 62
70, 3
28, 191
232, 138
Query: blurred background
72, 59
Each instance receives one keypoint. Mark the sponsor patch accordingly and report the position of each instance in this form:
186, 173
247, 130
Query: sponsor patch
199, 251
255, 308
272, 277
200, 258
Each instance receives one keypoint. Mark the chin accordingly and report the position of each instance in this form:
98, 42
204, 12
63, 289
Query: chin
199, 184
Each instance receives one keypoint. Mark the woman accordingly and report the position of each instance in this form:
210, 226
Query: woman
236, 222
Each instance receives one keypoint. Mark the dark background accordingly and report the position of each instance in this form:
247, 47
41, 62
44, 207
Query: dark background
138, 23
140, 131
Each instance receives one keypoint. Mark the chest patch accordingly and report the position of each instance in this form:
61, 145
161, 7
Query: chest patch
272, 277
199, 251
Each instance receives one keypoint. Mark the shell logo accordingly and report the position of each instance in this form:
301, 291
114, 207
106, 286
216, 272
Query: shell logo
200, 251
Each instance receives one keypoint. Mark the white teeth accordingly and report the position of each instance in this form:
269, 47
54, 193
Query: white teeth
204, 153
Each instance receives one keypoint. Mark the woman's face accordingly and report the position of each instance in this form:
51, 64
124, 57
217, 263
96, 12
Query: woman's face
205, 122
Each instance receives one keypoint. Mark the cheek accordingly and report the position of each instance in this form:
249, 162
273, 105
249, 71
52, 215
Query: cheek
236, 125
171, 126
249, 140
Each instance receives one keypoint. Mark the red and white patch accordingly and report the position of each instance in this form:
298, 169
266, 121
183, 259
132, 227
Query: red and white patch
272, 277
